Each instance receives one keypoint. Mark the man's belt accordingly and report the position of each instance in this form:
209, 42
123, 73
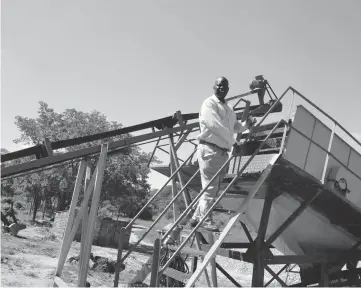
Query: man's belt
214, 145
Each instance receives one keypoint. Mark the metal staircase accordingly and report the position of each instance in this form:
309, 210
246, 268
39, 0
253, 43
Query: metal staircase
261, 152
260, 140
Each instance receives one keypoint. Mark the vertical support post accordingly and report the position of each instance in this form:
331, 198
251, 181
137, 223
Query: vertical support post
75, 197
71, 223
194, 264
86, 215
186, 196
258, 265
246, 110
48, 147
213, 261
92, 216
119, 256
154, 279
328, 155
174, 185
69, 238
290, 111
175, 161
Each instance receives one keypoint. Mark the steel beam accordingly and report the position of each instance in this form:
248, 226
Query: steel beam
291, 218
324, 113
187, 200
317, 258
12, 170
274, 275
229, 277
278, 273
258, 266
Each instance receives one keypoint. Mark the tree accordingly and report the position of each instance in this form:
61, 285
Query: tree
125, 177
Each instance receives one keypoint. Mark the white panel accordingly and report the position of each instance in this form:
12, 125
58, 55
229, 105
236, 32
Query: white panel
322, 134
297, 145
304, 121
355, 162
315, 161
316, 156
340, 149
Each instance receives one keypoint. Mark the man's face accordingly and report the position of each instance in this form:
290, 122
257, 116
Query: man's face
221, 88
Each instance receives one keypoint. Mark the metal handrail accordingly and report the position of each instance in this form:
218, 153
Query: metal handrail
323, 149
215, 203
160, 215
158, 192
226, 163
328, 153
214, 177
185, 186
324, 113
218, 172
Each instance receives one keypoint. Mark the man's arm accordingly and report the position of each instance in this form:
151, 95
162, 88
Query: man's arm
210, 118
240, 127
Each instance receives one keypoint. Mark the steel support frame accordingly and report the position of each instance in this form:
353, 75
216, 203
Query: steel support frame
204, 189
187, 198
233, 219
183, 188
177, 168
323, 259
216, 202
92, 186
125, 143
258, 263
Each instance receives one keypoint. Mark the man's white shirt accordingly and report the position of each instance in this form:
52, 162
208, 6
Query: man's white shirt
218, 123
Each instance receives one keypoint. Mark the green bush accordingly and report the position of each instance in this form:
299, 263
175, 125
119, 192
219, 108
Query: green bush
147, 214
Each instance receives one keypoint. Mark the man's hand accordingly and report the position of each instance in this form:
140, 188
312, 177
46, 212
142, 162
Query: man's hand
250, 122
237, 149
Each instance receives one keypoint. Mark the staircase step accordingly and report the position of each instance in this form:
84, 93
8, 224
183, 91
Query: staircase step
205, 248
257, 165
188, 250
177, 275
251, 146
264, 130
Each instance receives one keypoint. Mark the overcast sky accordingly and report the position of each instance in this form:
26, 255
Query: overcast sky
136, 61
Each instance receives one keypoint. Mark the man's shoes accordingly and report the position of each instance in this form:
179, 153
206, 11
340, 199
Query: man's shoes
210, 227
193, 223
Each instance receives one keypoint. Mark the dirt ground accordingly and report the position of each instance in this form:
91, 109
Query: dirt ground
31, 259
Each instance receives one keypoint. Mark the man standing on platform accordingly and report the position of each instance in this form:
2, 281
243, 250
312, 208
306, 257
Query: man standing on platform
218, 124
